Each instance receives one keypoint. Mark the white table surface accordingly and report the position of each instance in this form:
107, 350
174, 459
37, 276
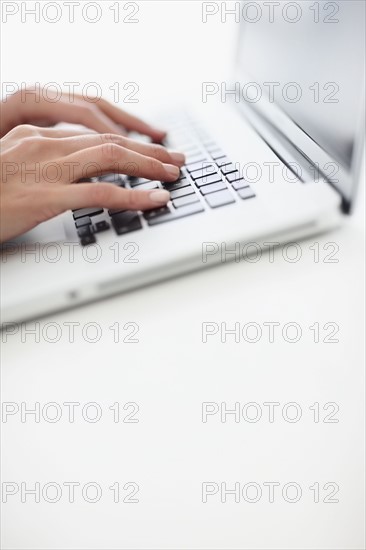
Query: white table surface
170, 451
169, 373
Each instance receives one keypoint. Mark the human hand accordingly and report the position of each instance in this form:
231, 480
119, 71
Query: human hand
40, 168
31, 106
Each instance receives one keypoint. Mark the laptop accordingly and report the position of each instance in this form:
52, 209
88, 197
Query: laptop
272, 156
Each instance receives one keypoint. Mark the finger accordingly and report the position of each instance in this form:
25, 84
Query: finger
156, 151
60, 133
130, 122
104, 195
79, 141
88, 115
110, 157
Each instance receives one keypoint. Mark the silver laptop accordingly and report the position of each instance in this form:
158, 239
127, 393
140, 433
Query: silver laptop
272, 156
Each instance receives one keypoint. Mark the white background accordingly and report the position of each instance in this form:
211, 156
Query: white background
170, 452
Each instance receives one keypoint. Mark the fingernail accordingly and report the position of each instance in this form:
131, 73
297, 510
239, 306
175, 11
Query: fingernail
171, 170
177, 158
160, 197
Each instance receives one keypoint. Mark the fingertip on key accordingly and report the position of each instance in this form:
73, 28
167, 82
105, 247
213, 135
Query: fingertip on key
172, 171
177, 158
160, 197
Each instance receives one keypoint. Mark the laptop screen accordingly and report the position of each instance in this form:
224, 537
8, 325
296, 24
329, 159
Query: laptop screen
309, 57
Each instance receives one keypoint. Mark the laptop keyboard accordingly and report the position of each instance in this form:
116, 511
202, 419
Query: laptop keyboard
208, 180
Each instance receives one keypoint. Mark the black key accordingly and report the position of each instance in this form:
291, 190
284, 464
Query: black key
111, 178
101, 226
184, 201
81, 213
116, 211
219, 199
217, 154
240, 184
206, 180
89, 239
84, 231
201, 166
228, 169
176, 185
180, 177
234, 176
219, 186
83, 221
177, 214
246, 193
125, 222
182, 192
156, 212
